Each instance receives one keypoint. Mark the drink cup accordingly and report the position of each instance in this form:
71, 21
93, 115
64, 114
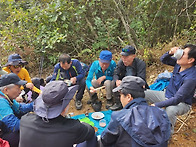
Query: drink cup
178, 54
102, 123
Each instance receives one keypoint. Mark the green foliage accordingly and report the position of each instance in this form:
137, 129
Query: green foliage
83, 27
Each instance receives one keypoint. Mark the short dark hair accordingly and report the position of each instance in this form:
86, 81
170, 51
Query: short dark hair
134, 93
192, 52
64, 58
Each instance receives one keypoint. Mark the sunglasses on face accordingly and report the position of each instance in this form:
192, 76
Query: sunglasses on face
125, 50
17, 66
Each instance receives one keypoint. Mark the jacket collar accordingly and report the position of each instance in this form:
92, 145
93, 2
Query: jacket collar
135, 102
184, 72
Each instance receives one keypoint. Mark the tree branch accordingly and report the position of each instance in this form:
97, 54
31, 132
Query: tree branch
126, 26
91, 27
157, 13
182, 10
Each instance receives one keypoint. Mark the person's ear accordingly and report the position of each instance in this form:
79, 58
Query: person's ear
129, 97
191, 60
5, 90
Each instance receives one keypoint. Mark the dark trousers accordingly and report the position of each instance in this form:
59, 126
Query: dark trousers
12, 138
81, 88
90, 143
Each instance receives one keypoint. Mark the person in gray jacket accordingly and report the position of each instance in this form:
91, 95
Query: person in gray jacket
128, 65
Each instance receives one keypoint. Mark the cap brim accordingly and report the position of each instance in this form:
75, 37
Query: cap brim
16, 63
24, 62
125, 53
21, 82
105, 61
12, 63
47, 112
54, 111
2, 72
117, 89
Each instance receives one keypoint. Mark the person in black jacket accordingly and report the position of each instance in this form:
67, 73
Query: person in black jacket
128, 65
48, 125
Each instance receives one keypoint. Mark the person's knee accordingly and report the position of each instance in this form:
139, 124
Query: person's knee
82, 83
108, 83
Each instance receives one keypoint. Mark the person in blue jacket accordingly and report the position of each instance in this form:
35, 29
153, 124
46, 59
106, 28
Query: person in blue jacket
137, 124
9, 109
103, 70
177, 98
71, 69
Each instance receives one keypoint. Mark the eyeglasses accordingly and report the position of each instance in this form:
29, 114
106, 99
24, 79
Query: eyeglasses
125, 50
17, 66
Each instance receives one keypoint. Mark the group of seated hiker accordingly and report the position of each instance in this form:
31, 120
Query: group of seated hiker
136, 124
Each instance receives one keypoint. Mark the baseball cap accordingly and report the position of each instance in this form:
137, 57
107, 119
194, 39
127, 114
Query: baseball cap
15, 59
54, 99
131, 83
105, 56
128, 50
11, 78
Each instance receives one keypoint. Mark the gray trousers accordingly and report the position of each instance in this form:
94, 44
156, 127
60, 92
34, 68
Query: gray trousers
172, 111
108, 87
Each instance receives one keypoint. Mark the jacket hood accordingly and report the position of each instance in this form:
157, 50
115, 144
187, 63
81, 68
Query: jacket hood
147, 125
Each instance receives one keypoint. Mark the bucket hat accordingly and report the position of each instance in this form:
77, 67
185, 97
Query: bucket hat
54, 99
15, 59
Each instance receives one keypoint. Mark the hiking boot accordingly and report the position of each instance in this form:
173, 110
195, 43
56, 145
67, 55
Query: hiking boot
116, 106
78, 104
109, 103
94, 98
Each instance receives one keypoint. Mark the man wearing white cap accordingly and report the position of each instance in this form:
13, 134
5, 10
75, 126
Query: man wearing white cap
10, 89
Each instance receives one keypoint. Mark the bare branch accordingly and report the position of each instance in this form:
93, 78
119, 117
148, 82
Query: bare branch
187, 11
125, 24
157, 14
180, 14
91, 27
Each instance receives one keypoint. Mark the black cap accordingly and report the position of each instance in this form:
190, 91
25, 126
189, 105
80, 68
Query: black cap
11, 79
128, 50
132, 83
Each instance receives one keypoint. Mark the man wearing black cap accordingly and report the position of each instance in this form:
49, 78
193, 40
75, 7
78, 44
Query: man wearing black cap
10, 89
128, 65
49, 127
137, 124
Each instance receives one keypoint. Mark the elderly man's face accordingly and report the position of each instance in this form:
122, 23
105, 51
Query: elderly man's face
128, 60
13, 91
104, 66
